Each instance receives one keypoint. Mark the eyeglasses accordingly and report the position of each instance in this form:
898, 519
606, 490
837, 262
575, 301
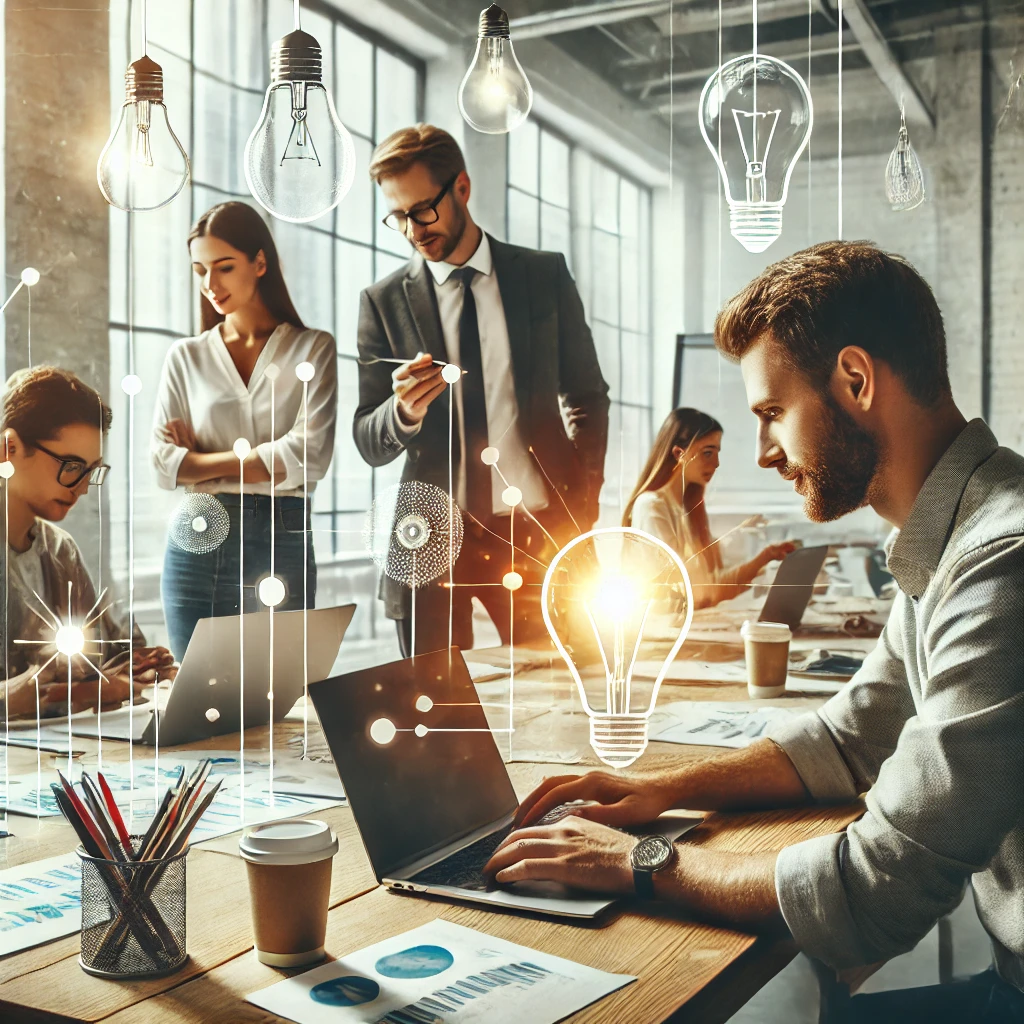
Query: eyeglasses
398, 220
73, 471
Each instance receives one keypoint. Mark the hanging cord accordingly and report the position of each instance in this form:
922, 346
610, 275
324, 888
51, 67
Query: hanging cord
297, 16
810, 208
839, 165
145, 26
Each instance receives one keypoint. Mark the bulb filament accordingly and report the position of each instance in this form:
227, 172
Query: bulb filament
300, 142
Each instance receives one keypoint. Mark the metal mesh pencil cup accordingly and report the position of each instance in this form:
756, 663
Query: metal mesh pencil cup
133, 916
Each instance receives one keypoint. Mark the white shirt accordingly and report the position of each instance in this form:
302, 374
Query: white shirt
503, 430
201, 385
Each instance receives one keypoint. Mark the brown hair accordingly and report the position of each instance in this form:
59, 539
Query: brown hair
817, 301
244, 229
42, 400
421, 144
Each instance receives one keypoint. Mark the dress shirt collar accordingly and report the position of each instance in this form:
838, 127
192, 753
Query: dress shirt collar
913, 553
481, 260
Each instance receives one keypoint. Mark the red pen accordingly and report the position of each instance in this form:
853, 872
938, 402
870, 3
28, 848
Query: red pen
86, 817
115, 814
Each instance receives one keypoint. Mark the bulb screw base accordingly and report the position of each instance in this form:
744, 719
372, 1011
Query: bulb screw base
618, 740
755, 225
144, 80
494, 23
296, 57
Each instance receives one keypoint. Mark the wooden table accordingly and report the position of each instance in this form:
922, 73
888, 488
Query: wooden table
686, 969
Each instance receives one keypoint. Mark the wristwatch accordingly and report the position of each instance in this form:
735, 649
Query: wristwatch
651, 853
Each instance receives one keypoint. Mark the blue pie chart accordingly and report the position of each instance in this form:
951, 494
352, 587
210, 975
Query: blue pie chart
415, 962
348, 991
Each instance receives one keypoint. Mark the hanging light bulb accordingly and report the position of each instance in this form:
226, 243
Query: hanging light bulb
495, 96
143, 166
761, 110
1012, 116
618, 590
299, 160
904, 180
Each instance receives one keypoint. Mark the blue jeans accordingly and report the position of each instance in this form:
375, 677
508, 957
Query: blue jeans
195, 587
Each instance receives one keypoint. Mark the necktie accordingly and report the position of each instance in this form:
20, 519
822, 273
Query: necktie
474, 402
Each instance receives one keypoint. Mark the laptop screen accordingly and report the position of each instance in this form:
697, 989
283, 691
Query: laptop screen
415, 793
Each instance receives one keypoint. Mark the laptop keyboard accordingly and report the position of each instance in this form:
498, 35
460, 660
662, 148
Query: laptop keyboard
464, 869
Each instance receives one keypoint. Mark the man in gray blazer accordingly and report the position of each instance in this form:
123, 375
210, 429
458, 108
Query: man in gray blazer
531, 388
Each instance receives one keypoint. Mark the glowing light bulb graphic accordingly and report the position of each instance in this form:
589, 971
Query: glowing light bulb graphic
756, 116
299, 160
495, 96
143, 166
617, 589
904, 179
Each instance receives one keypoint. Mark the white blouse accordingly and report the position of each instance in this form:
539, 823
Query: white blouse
201, 385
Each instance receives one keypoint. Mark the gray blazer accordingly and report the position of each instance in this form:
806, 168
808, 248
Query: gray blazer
553, 360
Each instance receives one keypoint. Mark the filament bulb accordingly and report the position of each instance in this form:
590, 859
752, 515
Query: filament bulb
904, 179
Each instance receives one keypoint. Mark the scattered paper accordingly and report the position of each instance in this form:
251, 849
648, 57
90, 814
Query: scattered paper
698, 671
40, 902
714, 725
441, 973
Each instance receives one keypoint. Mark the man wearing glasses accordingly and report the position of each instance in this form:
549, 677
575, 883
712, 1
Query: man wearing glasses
531, 388
51, 442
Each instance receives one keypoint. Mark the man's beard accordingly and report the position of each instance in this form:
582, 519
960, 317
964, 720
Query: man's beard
843, 466
452, 238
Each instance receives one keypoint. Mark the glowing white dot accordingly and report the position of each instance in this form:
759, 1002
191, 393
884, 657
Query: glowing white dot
131, 384
424, 703
6, 470
383, 731
69, 640
272, 372
511, 496
212, 714
511, 581
213, 682
30, 276
305, 371
241, 448
270, 694
271, 591
450, 373
199, 524
421, 731
489, 456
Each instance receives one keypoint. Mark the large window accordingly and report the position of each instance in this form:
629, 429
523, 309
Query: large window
215, 58
561, 197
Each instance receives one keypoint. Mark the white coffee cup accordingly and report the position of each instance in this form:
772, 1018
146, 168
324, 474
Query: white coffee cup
766, 646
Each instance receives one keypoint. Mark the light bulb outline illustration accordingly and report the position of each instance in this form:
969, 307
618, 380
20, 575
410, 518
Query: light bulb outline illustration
620, 735
495, 96
904, 178
302, 176
756, 202
130, 177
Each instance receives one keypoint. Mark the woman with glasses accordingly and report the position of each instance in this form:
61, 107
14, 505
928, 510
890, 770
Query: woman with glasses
245, 412
53, 427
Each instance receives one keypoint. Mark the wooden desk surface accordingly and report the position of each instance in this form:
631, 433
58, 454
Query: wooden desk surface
679, 962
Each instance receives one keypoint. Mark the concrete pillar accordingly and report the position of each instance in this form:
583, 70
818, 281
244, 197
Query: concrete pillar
57, 119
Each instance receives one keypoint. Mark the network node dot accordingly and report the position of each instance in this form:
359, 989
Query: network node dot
212, 714
271, 591
511, 496
424, 703
272, 372
450, 373
489, 456
6, 470
213, 682
421, 731
131, 384
512, 581
305, 372
69, 640
241, 448
199, 524
30, 276
382, 731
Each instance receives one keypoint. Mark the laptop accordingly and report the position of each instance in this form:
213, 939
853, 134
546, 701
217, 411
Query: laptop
432, 808
204, 698
790, 591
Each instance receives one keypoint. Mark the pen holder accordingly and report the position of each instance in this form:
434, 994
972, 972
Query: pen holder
133, 916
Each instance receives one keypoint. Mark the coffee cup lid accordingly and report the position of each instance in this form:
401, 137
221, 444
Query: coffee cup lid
766, 632
296, 841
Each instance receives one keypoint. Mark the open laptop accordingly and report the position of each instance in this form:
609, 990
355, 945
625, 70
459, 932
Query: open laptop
791, 590
432, 808
204, 698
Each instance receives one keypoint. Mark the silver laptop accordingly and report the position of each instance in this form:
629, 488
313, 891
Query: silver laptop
793, 585
204, 699
432, 808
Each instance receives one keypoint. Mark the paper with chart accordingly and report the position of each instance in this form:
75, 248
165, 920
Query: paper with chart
440, 973
40, 902
705, 723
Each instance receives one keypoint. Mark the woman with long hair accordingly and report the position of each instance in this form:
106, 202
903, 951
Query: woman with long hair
229, 384
668, 503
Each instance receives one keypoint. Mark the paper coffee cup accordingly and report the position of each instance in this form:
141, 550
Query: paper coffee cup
766, 646
289, 865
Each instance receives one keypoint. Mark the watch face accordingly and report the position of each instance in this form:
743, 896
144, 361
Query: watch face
651, 853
